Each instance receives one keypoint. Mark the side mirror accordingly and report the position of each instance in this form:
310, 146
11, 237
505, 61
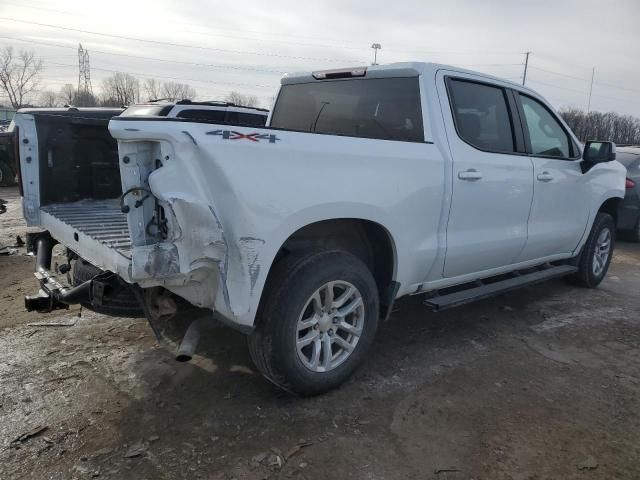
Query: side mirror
597, 152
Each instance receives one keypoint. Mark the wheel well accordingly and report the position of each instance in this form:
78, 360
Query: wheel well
367, 240
610, 206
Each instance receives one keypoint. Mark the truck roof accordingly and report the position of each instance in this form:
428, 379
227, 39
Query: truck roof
399, 69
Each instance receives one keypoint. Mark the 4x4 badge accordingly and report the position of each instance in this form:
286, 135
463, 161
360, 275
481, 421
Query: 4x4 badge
253, 137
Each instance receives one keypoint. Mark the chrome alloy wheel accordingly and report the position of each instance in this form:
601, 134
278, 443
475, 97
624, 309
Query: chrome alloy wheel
603, 250
330, 326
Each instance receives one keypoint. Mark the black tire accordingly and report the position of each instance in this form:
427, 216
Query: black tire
295, 279
585, 275
7, 177
122, 303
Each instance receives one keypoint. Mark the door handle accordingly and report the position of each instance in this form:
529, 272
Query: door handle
545, 177
470, 175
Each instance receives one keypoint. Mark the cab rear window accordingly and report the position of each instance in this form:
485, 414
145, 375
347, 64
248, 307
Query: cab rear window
381, 108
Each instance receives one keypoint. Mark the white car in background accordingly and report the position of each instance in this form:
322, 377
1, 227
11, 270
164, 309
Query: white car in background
218, 112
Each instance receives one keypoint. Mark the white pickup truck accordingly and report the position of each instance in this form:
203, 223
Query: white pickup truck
366, 185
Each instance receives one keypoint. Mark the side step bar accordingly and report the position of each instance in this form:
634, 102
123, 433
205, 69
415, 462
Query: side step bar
486, 290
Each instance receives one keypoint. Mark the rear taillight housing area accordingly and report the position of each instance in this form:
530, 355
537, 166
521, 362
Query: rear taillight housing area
629, 183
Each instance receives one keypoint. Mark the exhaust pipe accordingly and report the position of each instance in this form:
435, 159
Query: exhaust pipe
43, 246
190, 341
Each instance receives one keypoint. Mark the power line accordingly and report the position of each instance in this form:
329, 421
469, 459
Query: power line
560, 87
242, 52
208, 30
170, 44
361, 44
143, 57
278, 55
615, 86
558, 73
169, 77
208, 33
488, 64
226, 67
586, 80
632, 100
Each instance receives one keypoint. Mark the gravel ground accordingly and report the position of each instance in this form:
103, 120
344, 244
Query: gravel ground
543, 383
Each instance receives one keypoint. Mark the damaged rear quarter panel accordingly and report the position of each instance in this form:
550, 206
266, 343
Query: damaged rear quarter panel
235, 202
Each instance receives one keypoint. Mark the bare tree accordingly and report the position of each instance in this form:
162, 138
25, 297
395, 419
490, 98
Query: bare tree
178, 91
70, 96
19, 74
85, 99
152, 88
623, 129
120, 89
67, 94
241, 99
48, 98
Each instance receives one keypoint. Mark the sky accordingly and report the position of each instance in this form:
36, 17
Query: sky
247, 46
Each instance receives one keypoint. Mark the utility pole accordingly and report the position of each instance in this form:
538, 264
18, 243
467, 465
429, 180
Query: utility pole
593, 73
376, 47
84, 72
526, 66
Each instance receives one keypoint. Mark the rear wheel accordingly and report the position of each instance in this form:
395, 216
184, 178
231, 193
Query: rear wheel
595, 258
317, 321
121, 303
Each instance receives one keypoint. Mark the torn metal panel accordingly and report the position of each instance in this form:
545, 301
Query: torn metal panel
191, 262
250, 248
160, 260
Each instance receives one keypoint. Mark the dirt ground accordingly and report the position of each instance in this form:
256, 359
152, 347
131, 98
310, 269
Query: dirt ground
543, 383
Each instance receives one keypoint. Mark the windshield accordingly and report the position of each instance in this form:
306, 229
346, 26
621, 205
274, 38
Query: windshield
382, 108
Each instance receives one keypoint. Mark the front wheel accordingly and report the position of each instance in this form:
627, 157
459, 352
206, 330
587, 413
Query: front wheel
595, 258
318, 319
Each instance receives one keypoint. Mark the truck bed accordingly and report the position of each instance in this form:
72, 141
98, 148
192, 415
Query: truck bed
100, 220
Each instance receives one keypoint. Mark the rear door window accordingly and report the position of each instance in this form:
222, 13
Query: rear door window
382, 108
481, 115
546, 134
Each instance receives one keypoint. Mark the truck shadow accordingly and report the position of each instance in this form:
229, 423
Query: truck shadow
220, 405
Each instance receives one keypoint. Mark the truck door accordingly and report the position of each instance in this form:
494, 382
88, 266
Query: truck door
492, 175
560, 209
